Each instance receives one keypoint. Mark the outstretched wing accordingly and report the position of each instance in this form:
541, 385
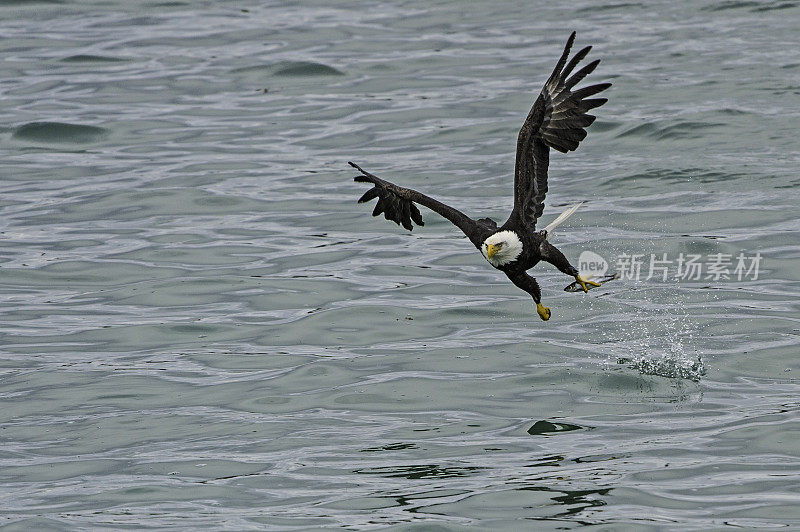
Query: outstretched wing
556, 120
397, 204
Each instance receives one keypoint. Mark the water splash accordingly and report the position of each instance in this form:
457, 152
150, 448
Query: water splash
666, 365
657, 344
676, 356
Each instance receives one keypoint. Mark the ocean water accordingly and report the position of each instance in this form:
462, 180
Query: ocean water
201, 328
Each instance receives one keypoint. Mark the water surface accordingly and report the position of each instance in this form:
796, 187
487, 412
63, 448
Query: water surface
201, 328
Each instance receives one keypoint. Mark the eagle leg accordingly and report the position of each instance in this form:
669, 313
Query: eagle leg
525, 282
552, 255
544, 312
583, 282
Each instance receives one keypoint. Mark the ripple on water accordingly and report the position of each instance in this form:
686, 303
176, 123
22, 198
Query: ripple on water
669, 130
59, 133
544, 427
421, 471
306, 68
291, 69
88, 58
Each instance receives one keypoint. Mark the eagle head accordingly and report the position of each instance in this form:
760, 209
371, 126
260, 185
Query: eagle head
501, 248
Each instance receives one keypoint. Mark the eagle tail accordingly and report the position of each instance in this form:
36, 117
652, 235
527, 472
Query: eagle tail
561, 218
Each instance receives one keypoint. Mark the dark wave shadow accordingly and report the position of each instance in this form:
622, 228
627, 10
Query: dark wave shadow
545, 428
59, 133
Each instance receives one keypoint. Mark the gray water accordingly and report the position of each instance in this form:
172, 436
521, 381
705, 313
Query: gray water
200, 327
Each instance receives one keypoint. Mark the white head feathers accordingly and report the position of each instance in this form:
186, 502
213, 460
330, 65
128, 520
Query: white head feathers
501, 248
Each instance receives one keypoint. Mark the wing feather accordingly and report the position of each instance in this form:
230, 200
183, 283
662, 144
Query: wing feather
580, 74
369, 195
577, 58
557, 120
397, 204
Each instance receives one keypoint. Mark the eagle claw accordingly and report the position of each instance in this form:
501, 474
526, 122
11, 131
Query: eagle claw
543, 311
584, 282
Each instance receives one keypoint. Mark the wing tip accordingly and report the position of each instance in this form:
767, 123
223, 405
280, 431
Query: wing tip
562, 60
394, 208
570, 42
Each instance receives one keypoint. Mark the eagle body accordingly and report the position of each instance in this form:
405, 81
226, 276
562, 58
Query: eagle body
557, 120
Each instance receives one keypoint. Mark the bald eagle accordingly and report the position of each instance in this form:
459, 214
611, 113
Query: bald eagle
556, 120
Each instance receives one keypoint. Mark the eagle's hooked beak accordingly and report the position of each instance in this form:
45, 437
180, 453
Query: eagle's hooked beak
491, 249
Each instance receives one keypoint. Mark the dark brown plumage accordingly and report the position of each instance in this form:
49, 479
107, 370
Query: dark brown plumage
557, 120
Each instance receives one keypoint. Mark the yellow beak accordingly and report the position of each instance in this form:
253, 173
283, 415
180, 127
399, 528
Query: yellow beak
491, 250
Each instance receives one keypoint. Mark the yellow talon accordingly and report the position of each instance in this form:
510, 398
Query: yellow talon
584, 282
543, 311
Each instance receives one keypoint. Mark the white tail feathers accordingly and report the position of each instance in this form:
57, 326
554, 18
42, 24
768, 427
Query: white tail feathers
562, 218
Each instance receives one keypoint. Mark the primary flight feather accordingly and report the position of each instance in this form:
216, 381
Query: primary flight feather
557, 120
